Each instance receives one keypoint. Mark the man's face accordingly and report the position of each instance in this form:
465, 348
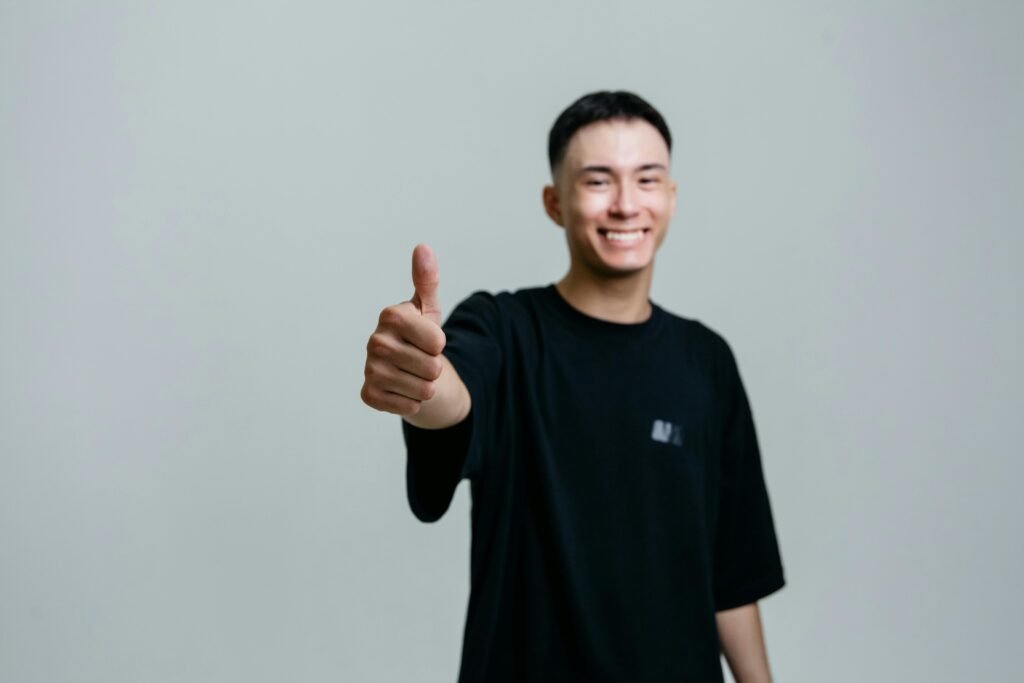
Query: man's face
614, 197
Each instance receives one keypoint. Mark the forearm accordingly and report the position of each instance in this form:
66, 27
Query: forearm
742, 640
449, 405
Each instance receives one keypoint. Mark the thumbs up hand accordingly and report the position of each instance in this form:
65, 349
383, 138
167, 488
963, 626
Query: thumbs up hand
404, 365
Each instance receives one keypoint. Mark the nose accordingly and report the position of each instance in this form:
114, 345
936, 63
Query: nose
624, 203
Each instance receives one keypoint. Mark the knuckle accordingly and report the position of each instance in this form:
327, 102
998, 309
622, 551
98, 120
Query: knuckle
428, 391
434, 368
390, 316
435, 345
374, 373
378, 345
370, 398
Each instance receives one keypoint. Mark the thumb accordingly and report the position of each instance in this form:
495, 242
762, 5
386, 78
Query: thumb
425, 279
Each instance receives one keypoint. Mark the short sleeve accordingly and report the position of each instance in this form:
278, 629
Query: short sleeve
437, 459
747, 564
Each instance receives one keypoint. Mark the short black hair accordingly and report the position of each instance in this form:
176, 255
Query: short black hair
603, 105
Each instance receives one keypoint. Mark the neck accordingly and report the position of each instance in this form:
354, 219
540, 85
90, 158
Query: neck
623, 299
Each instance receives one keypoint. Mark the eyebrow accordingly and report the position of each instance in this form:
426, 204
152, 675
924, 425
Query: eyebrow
608, 169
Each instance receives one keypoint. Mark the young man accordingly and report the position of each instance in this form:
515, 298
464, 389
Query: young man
621, 528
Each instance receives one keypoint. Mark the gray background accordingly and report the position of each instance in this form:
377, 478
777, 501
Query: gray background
203, 206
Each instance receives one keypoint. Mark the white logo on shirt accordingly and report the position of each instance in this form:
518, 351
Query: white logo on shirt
666, 432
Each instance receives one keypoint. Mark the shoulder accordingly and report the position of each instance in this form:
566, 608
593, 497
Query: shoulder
503, 304
495, 313
707, 348
700, 336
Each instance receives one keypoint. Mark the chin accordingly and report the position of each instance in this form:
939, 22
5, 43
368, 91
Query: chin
618, 269
625, 263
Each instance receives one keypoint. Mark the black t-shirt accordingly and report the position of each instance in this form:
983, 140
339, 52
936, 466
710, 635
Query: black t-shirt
618, 499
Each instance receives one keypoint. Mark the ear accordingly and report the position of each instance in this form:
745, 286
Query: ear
672, 199
552, 205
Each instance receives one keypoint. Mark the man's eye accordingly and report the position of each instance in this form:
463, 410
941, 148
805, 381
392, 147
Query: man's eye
648, 181
597, 182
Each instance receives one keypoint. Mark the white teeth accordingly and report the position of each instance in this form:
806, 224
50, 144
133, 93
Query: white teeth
631, 236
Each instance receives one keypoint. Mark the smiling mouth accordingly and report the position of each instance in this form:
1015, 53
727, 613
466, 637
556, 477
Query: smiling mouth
623, 236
